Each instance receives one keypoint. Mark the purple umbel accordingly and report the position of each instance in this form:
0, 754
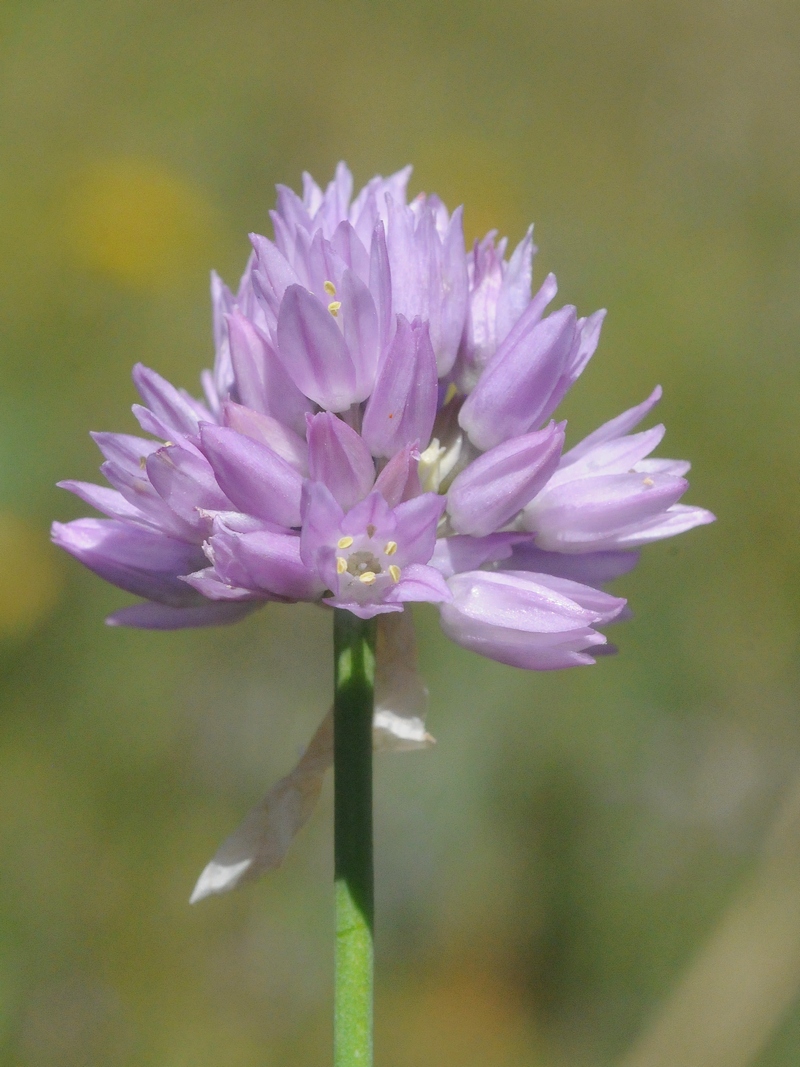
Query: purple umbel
378, 430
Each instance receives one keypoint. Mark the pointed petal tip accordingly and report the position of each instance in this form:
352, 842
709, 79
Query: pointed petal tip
218, 878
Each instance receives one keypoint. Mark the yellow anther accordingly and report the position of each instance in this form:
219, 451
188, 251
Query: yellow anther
334, 306
648, 482
344, 542
330, 288
391, 548
451, 392
368, 577
142, 462
394, 570
370, 530
341, 565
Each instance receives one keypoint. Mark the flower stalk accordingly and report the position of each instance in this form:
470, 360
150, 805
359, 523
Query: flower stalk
354, 682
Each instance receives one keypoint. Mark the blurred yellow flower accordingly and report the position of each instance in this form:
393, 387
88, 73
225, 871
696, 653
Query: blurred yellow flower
31, 576
139, 222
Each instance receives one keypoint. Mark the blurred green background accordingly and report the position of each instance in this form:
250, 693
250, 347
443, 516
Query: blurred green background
578, 846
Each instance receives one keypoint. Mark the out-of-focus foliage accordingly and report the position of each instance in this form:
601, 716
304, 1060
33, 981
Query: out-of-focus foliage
576, 843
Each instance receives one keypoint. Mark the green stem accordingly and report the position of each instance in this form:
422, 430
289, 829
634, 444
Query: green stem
354, 680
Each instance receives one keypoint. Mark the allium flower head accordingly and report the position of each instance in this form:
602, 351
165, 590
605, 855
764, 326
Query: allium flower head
377, 430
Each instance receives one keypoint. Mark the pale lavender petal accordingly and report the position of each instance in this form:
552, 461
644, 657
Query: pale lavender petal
238, 522
136, 559
395, 185
262, 383
322, 265
151, 423
165, 402
591, 513
336, 200
675, 520
325, 566
285, 238
322, 518
136, 487
603, 606
519, 621
294, 211
421, 295
404, 260
589, 568
583, 348
312, 195
380, 284
363, 609
517, 648
339, 458
497, 485
185, 482
152, 616
415, 531
222, 302
514, 391
620, 455
589, 331
125, 450
361, 331
254, 477
372, 511
452, 295
462, 553
270, 432
272, 274
676, 467
245, 297
212, 586
515, 289
481, 327
314, 352
438, 211
420, 584
399, 479
210, 392
533, 311
615, 427
517, 601
364, 212
402, 407
264, 562
350, 249
370, 204
110, 501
